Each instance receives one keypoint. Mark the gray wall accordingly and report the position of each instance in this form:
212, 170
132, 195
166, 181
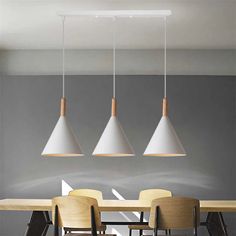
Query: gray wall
128, 62
202, 109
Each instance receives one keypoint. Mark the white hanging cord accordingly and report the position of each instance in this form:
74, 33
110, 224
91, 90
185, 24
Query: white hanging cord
165, 82
114, 57
63, 56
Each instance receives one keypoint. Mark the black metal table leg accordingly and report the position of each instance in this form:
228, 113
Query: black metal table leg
39, 224
215, 224
223, 225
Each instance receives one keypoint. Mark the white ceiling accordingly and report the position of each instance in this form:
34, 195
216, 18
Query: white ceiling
195, 24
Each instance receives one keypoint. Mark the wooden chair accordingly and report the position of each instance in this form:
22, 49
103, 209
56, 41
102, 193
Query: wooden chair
93, 194
72, 212
148, 195
87, 193
175, 213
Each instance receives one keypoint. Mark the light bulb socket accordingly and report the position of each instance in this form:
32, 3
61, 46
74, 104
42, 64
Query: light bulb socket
63, 106
164, 107
113, 107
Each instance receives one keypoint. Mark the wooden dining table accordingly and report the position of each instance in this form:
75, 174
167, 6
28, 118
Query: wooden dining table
40, 219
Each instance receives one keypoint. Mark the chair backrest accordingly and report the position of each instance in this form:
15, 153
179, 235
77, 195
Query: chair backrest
151, 194
87, 193
175, 213
75, 211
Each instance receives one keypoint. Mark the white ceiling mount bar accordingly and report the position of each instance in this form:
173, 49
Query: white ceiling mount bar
117, 13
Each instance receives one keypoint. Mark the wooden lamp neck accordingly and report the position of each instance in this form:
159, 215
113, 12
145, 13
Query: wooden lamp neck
164, 107
113, 107
63, 106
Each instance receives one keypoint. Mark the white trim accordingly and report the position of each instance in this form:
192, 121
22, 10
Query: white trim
120, 13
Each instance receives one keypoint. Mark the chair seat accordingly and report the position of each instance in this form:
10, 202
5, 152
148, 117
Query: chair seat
143, 227
100, 228
140, 227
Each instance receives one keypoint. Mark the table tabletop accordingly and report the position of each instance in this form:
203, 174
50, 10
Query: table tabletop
111, 205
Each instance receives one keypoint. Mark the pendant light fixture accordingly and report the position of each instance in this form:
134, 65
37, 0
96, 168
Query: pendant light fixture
113, 142
62, 142
165, 141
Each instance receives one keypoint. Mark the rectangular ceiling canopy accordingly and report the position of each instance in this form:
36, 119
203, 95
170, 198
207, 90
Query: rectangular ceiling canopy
119, 13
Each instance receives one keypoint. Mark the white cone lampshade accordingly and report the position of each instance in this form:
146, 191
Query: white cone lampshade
113, 141
165, 141
62, 142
